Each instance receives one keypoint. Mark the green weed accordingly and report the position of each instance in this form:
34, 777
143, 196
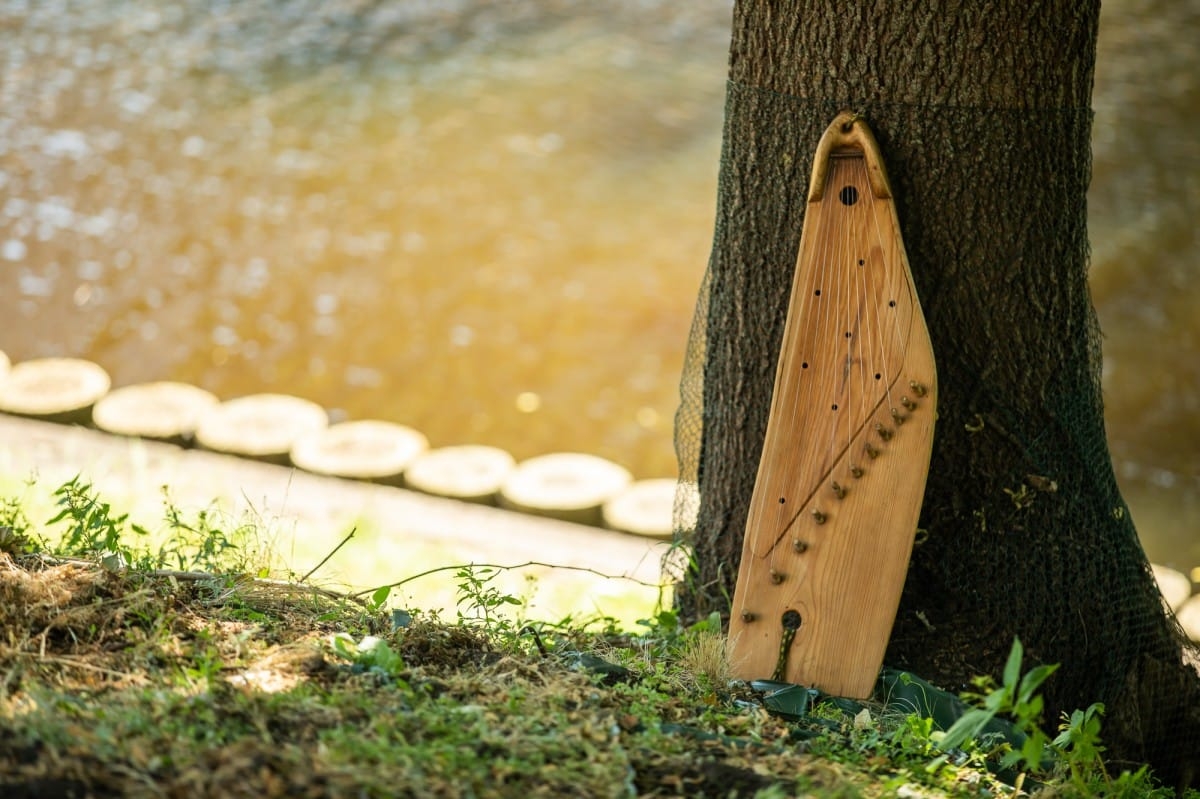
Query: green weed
202, 542
481, 602
1071, 762
1017, 698
93, 529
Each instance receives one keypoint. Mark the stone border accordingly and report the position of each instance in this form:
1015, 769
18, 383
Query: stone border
290, 431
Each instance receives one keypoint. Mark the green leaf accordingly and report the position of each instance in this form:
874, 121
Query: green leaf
1032, 681
374, 651
344, 646
1012, 669
967, 728
1000, 700
933, 765
1030, 712
61, 514
380, 596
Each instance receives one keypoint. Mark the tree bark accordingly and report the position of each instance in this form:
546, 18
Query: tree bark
983, 114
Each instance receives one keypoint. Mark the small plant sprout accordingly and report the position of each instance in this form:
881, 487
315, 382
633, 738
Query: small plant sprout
1017, 698
1079, 741
481, 601
93, 529
378, 599
369, 654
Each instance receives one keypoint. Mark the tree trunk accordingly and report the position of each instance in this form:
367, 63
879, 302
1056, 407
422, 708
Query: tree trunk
982, 114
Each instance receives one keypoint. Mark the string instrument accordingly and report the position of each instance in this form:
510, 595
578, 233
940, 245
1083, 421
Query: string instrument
836, 501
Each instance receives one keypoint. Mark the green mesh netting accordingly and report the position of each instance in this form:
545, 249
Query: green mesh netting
1028, 535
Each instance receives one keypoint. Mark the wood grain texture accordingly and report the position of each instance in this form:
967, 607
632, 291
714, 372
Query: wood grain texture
846, 453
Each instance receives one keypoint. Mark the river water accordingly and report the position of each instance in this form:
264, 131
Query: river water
489, 220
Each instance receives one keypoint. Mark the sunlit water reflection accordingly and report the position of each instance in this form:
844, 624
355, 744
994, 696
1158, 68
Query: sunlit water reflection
488, 221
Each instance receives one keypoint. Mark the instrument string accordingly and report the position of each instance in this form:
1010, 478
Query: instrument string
899, 289
825, 388
816, 307
832, 335
863, 337
784, 511
879, 301
826, 378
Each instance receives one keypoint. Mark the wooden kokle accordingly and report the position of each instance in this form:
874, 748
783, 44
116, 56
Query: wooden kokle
835, 506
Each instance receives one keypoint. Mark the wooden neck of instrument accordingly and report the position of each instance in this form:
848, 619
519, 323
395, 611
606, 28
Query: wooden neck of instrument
848, 134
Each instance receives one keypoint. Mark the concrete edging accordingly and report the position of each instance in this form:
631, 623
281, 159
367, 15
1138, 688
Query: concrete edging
287, 430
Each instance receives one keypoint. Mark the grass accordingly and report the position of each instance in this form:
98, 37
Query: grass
289, 545
132, 667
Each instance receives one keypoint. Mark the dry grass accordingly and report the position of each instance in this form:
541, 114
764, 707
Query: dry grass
119, 680
167, 684
180, 684
705, 656
143, 681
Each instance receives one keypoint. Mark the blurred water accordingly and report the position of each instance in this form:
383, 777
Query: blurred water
488, 221
1144, 208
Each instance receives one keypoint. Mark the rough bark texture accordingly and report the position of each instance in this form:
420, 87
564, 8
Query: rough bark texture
982, 113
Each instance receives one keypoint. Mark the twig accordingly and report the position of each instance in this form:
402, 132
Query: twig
175, 574
312, 589
79, 664
503, 567
332, 552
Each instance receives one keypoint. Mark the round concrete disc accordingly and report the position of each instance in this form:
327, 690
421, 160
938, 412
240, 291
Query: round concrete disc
565, 485
260, 426
53, 389
644, 508
471, 473
164, 411
1175, 586
363, 450
1189, 617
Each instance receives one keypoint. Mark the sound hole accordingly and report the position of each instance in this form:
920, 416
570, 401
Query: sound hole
848, 195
